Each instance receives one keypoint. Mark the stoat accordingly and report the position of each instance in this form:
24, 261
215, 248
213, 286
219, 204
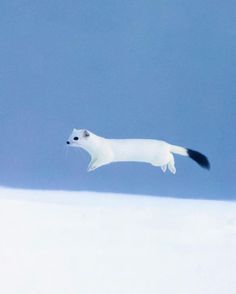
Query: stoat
158, 153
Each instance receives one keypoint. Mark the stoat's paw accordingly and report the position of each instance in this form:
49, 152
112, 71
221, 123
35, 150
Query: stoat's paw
164, 167
172, 168
92, 166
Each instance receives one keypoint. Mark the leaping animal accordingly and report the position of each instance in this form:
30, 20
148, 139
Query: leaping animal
158, 153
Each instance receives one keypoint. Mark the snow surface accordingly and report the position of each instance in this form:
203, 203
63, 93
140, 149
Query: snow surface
92, 243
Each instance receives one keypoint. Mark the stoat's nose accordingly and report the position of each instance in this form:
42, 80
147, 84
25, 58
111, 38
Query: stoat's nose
67, 142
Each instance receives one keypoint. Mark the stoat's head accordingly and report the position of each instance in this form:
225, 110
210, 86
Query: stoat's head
82, 138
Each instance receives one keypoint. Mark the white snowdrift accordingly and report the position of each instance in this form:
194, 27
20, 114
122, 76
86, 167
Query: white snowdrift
95, 243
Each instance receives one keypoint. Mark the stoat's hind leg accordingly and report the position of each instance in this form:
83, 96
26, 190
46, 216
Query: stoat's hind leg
164, 167
171, 164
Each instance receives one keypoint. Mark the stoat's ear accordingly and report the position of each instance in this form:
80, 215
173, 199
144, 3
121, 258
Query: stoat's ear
86, 133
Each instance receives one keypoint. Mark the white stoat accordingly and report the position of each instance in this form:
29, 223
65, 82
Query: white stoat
158, 153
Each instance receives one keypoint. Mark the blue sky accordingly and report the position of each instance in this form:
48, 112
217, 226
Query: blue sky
123, 69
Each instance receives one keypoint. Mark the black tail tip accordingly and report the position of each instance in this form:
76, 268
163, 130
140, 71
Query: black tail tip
201, 159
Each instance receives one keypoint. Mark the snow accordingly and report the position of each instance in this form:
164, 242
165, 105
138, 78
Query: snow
96, 243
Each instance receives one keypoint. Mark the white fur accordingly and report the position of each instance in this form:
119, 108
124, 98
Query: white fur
104, 151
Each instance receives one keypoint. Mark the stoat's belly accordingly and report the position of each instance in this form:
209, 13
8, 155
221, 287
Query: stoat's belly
151, 151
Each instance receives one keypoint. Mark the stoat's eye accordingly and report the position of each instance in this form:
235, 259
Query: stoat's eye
76, 138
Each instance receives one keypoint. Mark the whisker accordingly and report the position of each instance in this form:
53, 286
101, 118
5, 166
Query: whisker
66, 151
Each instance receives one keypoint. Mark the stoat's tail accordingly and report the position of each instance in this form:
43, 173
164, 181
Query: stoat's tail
195, 155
